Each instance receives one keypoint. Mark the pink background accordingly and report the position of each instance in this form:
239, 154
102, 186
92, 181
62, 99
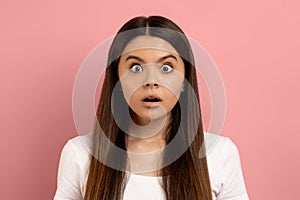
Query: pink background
255, 45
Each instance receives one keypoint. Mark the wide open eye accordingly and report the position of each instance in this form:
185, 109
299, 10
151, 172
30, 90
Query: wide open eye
166, 68
136, 68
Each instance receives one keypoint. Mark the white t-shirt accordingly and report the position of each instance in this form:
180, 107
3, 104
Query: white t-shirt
223, 162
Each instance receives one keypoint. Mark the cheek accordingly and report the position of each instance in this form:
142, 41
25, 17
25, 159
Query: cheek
128, 89
126, 92
133, 100
173, 88
130, 84
173, 82
171, 100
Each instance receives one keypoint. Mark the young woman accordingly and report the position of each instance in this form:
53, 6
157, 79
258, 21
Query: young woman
148, 138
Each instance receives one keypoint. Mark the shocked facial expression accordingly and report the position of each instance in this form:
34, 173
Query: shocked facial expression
151, 73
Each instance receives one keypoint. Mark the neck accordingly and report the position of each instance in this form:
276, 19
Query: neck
150, 136
145, 147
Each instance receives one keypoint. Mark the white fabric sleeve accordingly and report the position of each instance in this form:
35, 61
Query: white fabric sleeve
233, 186
69, 175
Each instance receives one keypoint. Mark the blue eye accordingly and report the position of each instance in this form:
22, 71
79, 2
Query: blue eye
136, 68
166, 68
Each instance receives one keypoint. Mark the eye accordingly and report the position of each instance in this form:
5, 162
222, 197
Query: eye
136, 68
166, 68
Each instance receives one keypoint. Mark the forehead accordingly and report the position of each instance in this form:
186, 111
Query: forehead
149, 42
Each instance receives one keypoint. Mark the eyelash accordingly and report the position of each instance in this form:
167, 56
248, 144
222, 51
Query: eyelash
166, 63
134, 64
170, 64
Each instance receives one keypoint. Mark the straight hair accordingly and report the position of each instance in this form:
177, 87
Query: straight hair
185, 178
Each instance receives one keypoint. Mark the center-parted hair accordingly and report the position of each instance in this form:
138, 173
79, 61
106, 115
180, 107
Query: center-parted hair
187, 178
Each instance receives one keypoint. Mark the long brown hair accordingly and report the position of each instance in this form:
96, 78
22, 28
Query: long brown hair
185, 178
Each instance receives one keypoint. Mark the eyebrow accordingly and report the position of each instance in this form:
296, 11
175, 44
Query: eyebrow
159, 60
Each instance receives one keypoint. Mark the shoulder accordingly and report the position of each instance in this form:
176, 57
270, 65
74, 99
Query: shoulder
221, 152
78, 146
78, 149
73, 168
224, 165
81, 143
218, 146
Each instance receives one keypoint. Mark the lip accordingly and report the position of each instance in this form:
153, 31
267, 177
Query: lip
153, 96
151, 104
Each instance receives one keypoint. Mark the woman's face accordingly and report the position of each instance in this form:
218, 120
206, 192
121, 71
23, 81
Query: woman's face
151, 74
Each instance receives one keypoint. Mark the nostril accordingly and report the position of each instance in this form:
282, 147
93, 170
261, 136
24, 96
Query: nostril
153, 84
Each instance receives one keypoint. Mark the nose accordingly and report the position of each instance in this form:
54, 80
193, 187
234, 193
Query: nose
151, 84
151, 77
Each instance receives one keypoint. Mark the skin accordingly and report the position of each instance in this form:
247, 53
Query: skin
150, 65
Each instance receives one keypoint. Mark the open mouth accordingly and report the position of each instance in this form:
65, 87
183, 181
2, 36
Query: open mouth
151, 99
